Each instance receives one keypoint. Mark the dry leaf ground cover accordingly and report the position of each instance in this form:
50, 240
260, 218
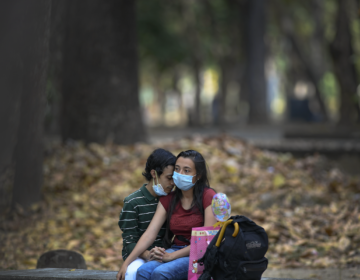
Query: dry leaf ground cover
309, 209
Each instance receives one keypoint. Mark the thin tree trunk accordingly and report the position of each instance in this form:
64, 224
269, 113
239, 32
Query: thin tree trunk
189, 15
197, 78
161, 98
175, 87
255, 32
53, 102
342, 53
100, 73
224, 68
317, 40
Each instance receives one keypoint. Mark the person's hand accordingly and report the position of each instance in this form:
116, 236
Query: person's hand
156, 254
167, 257
146, 255
121, 274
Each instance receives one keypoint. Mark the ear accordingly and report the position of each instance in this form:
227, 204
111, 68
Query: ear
198, 177
152, 172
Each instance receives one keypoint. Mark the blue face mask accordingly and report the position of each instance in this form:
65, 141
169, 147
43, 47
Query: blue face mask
183, 182
158, 189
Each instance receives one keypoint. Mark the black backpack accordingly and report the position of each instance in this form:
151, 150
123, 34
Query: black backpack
236, 258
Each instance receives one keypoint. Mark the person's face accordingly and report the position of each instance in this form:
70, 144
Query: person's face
185, 166
166, 180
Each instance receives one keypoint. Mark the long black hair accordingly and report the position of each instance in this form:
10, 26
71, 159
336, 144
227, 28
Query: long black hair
202, 174
158, 160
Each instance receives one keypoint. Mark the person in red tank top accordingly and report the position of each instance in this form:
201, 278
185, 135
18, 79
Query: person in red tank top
187, 207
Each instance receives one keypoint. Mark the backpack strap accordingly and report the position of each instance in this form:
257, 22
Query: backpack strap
182, 238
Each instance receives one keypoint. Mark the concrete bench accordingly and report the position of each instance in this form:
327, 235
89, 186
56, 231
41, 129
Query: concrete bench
65, 274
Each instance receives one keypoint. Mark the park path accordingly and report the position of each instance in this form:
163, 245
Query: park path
251, 133
318, 274
340, 145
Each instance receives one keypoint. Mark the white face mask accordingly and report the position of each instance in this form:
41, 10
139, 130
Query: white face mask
158, 189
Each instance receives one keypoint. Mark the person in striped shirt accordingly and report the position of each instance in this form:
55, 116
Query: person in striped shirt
140, 206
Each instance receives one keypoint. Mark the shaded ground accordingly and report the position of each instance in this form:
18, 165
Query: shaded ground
309, 208
319, 274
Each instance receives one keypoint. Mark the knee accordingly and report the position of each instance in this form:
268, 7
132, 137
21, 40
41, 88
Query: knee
160, 274
142, 273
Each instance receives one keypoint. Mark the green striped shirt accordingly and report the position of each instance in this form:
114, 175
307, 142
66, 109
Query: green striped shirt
139, 208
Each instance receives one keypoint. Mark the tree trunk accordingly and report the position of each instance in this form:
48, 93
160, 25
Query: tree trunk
255, 31
223, 90
175, 87
196, 58
317, 40
342, 54
53, 97
161, 98
10, 89
197, 78
24, 56
100, 73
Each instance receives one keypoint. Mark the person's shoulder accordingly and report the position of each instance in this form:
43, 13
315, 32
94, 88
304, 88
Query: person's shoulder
167, 197
165, 200
208, 195
134, 196
209, 192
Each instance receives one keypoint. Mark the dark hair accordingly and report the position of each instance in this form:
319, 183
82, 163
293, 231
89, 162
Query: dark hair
158, 160
201, 184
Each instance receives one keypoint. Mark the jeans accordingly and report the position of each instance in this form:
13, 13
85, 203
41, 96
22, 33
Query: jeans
174, 270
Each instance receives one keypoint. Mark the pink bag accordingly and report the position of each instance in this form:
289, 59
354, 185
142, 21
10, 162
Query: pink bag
200, 239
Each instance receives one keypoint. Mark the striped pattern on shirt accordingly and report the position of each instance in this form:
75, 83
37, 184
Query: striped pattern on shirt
138, 210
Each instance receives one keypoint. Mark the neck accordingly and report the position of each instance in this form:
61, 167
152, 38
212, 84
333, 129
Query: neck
149, 187
189, 194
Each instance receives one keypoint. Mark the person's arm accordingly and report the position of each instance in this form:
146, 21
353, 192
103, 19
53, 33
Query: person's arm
209, 220
128, 224
145, 255
146, 239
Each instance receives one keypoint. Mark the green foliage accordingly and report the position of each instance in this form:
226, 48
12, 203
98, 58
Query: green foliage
177, 32
160, 40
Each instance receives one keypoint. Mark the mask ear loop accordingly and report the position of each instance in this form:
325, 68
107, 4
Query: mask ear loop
157, 179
